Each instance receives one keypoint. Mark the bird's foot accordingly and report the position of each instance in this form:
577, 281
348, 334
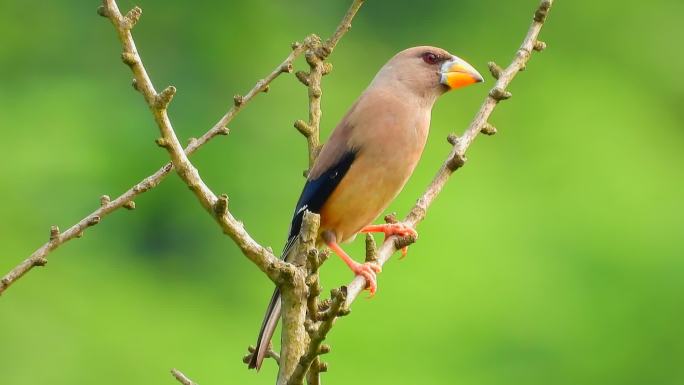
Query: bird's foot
368, 271
389, 229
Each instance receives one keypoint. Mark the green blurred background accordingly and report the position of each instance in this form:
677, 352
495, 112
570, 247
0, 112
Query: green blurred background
554, 257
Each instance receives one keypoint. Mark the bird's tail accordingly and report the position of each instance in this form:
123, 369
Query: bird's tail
268, 327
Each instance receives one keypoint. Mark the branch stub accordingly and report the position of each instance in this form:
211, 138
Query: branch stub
92, 221
488, 129
129, 58
494, 69
132, 17
303, 127
542, 11
164, 98
162, 142
539, 46
452, 139
303, 77
102, 11
54, 232
456, 162
499, 94
221, 206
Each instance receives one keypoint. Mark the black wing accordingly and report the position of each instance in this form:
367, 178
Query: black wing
316, 192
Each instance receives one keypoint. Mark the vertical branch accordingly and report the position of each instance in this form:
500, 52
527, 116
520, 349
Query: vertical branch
182, 378
314, 307
318, 331
316, 54
312, 80
295, 339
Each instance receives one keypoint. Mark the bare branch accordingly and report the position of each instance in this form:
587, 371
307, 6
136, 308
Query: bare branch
306, 320
317, 333
294, 339
158, 103
342, 28
125, 200
456, 158
316, 54
182, 378
290, 277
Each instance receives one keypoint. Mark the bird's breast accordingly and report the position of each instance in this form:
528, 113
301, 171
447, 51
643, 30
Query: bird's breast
386, 158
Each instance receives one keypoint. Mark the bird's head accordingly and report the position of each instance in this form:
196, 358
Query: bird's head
427, 71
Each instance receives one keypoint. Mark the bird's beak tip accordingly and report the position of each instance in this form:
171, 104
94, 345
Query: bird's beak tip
457, 73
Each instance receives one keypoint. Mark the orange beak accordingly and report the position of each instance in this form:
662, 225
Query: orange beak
456, 73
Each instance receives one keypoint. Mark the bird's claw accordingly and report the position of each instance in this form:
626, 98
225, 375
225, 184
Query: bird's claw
400, 229
368, 271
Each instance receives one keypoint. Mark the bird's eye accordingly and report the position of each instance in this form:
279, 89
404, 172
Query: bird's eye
430, 58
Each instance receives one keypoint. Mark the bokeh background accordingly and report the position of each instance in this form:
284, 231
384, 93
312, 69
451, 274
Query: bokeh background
554, 257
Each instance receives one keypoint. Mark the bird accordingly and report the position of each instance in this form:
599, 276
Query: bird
368, 159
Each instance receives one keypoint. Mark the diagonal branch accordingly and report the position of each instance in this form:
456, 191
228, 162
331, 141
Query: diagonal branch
457, 158
289, 276
125, 200
158, 103
182, 378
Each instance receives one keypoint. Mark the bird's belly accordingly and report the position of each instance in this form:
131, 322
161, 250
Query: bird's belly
368, 188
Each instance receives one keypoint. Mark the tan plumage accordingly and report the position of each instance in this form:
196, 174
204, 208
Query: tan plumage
370, 155
387, 153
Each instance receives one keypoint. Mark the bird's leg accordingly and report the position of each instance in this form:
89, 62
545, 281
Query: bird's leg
367, 270
400, 229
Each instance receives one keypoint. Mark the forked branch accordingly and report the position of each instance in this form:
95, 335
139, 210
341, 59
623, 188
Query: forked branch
126, 200
158, 103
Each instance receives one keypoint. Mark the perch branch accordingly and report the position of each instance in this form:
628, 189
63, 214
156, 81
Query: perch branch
289, 278
456, 158
182, 378
294, 338
39, 257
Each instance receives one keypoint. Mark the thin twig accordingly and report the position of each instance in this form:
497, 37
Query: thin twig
270, 353
182, 378
316, 54
456, 158
312, 79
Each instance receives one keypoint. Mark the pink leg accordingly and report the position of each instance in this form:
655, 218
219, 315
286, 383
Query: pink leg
367, 270
389, 229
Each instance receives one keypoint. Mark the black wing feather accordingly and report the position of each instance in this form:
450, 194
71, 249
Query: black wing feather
316, 192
